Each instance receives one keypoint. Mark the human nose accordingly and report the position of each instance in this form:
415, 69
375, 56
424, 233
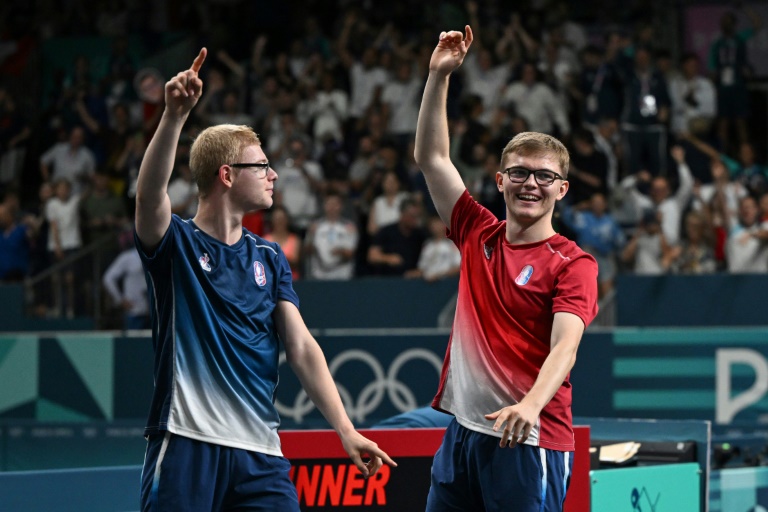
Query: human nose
530, 180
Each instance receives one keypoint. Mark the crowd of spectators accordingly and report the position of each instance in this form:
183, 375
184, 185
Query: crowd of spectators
665, 177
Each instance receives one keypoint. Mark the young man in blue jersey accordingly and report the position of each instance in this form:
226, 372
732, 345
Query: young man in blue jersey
222, 301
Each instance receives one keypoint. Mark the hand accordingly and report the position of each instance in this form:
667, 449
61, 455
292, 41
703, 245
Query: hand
517, 420
183, 90
394, 260
678, 154
450, 51
644, 176
356, 446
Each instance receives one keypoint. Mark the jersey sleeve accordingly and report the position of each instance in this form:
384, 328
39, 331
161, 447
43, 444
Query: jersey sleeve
161, 256
576, 289
285, 289
468, 215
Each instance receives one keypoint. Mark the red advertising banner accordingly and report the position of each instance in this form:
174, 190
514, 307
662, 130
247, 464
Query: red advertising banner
326, 479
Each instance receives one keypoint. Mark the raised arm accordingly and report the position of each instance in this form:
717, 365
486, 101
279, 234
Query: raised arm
153, 206
432, 151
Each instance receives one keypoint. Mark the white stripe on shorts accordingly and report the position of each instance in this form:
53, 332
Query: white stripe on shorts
159, 462
543, 456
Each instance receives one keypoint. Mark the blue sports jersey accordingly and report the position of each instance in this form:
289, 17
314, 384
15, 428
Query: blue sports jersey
215, 342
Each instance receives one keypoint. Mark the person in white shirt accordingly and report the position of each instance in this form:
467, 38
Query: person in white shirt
648, 251
385, 208
400, 99
325, 109
487, 80
302, 181
536, 103
331, 242
439, 258
70, 160
182, 191
693, 96
63, 214
366, 77
127, 287
670, 207
747, 244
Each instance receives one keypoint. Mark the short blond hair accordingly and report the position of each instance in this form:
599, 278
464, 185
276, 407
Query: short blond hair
540, 145
216, 146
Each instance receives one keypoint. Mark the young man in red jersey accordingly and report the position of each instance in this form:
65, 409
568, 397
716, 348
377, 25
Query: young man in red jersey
526, 294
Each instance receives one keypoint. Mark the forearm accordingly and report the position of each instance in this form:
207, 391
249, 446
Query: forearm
309, 365
552, 375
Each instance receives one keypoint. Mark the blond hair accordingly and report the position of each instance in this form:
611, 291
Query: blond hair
539, 145
216, 146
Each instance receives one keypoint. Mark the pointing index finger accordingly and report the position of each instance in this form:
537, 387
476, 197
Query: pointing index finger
469, 36
198, 63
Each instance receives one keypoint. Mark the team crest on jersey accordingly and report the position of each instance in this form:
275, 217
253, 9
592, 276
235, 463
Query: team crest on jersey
205, 262
487, 249
259, 273
524, 276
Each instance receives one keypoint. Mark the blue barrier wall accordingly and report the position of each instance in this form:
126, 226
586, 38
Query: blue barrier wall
710, 374
715, 300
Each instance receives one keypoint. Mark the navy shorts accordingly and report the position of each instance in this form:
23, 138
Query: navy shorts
471, 472
181, 474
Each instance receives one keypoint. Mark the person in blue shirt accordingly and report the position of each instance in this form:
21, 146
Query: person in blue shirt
598, 233
222, 306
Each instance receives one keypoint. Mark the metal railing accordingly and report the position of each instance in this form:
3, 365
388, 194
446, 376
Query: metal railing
72, 287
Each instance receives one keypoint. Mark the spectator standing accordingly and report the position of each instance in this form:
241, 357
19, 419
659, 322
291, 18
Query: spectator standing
70, 160
331, 243
747, 243
646, 111
693, 97
102, 213
536, 103
399, 99
301, 183
439, 257
64, 239
588, 174
385, 208
126, 285
660, 198
730, 68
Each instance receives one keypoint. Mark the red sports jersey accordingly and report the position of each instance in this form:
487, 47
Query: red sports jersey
508, 296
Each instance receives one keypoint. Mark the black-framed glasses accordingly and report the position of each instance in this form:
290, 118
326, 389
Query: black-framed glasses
262, 168
542, 176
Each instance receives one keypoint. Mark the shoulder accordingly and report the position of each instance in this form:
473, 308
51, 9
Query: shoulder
259, 242
567, 250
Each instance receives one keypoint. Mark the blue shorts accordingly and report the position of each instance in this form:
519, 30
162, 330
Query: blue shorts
471, 472
181, 474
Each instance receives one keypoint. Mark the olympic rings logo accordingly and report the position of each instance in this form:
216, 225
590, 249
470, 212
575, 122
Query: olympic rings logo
372, 395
